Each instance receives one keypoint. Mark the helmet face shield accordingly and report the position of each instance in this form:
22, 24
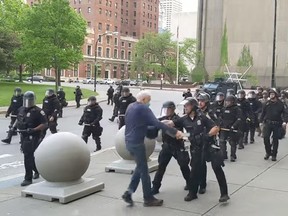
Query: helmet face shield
49, 93
29, 99
219, 98
164, 112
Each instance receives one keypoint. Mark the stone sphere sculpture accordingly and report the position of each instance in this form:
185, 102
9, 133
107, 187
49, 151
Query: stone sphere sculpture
62, 157
121, 146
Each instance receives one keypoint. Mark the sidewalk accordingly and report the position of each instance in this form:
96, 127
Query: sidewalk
256, 187
100, 98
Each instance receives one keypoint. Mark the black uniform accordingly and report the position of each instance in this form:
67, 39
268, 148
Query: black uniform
62, 101
110, 93
244, 105
273, 116
28, 118
187, 94
230, 118
78, 95
256, 108
15, 104
116, 98
51, 107
123, 104
91, 119
198, 127
218, 107
171, 147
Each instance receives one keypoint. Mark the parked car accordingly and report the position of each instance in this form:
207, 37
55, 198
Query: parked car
134, 83
110, 82
102, 81
35, 78
125, 82
88, 81
117, 82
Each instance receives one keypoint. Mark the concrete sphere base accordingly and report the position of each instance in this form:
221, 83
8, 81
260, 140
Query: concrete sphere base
62, 157
121, 146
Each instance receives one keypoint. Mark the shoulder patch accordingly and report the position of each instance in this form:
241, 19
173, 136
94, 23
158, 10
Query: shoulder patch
42, 112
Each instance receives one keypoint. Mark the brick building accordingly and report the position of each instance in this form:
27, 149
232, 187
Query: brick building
117, 25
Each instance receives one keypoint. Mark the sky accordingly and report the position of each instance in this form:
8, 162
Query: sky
190, 5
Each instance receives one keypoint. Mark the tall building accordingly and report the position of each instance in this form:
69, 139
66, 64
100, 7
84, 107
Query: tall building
167, 8
247, 26
113, 28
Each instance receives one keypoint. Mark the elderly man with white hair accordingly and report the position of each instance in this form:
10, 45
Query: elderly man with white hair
138, 118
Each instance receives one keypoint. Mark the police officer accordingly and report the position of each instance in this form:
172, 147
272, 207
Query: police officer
259, 93
230, 122
201, 129
51, 107
171, 147
263, 101
15, 104
31, 121
218, 105
230, 92
256, 108
284, 98
124, 101
91, 119
274, 116
244, 105
78, 96
116, 97
110, 93
62, 100
187, 93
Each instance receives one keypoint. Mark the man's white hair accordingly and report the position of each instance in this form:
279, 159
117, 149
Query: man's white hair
143, 94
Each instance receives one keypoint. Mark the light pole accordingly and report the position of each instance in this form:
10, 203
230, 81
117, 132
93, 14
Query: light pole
96, 50
273, 79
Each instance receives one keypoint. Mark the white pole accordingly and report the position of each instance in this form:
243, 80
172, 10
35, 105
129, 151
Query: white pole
177, 56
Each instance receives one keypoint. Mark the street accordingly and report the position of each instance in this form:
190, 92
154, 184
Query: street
11, 159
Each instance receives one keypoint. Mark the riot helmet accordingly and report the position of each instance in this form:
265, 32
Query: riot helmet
92, 100
190, 105
49, 92
17, 91
230, 92
260, 89
60, 89
273, 93
241, 94
251, 95
168, 108
230, 101
125, 91
29, 99
265, 94
220, 97
203, 99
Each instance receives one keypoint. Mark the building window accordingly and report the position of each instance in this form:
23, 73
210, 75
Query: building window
115, 29
48, 72
89, 24
122, 67
150, 25
121, 20
126, 21
122, 54
99, 26
99, 53
108, 27
134, 34
135, 14
127, 4
110, 3
100, 10
127, 13
143, 14
106, 12
155, 9
75, 74
89, 50
100, 38
106, 2
75, 1
155, 26
110, 13
116, 15
129, 55
122, 2
100, 1
107, 52
122, 11
144, 5
115, 73
79, 1
116, 5
108, 40
115, 53
116, 41
134, 22
135, 5
122, 44
129, 45
143, 22
155, 17
89, 9
79, 10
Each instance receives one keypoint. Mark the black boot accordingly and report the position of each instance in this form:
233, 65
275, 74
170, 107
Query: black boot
190, 196
127, 197
224, 198
266, 157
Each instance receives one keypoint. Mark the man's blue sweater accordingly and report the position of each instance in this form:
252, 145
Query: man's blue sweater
137, 118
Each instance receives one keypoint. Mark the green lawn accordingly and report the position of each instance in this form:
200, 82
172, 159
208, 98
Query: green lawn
7, 90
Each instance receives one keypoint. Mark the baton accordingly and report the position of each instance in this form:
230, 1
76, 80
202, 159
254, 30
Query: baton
186, 136
225, 129
14, 116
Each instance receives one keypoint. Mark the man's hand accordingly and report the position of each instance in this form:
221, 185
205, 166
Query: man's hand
80, 123
179, 135
168, 123
261, 124
51, 118
6, 115
284, 124
30, 130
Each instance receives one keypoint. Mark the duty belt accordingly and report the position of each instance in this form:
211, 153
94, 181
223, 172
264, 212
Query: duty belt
273, 122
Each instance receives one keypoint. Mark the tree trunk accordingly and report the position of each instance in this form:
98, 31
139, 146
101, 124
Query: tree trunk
20, 73
57, 78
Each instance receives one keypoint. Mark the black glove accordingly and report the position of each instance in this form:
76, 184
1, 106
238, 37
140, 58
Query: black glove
30, 131
6, 115
80, 123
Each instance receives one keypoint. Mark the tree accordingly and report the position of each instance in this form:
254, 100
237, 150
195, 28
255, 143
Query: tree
157, 52
224, 47
188, 49
53, 35
11, 13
